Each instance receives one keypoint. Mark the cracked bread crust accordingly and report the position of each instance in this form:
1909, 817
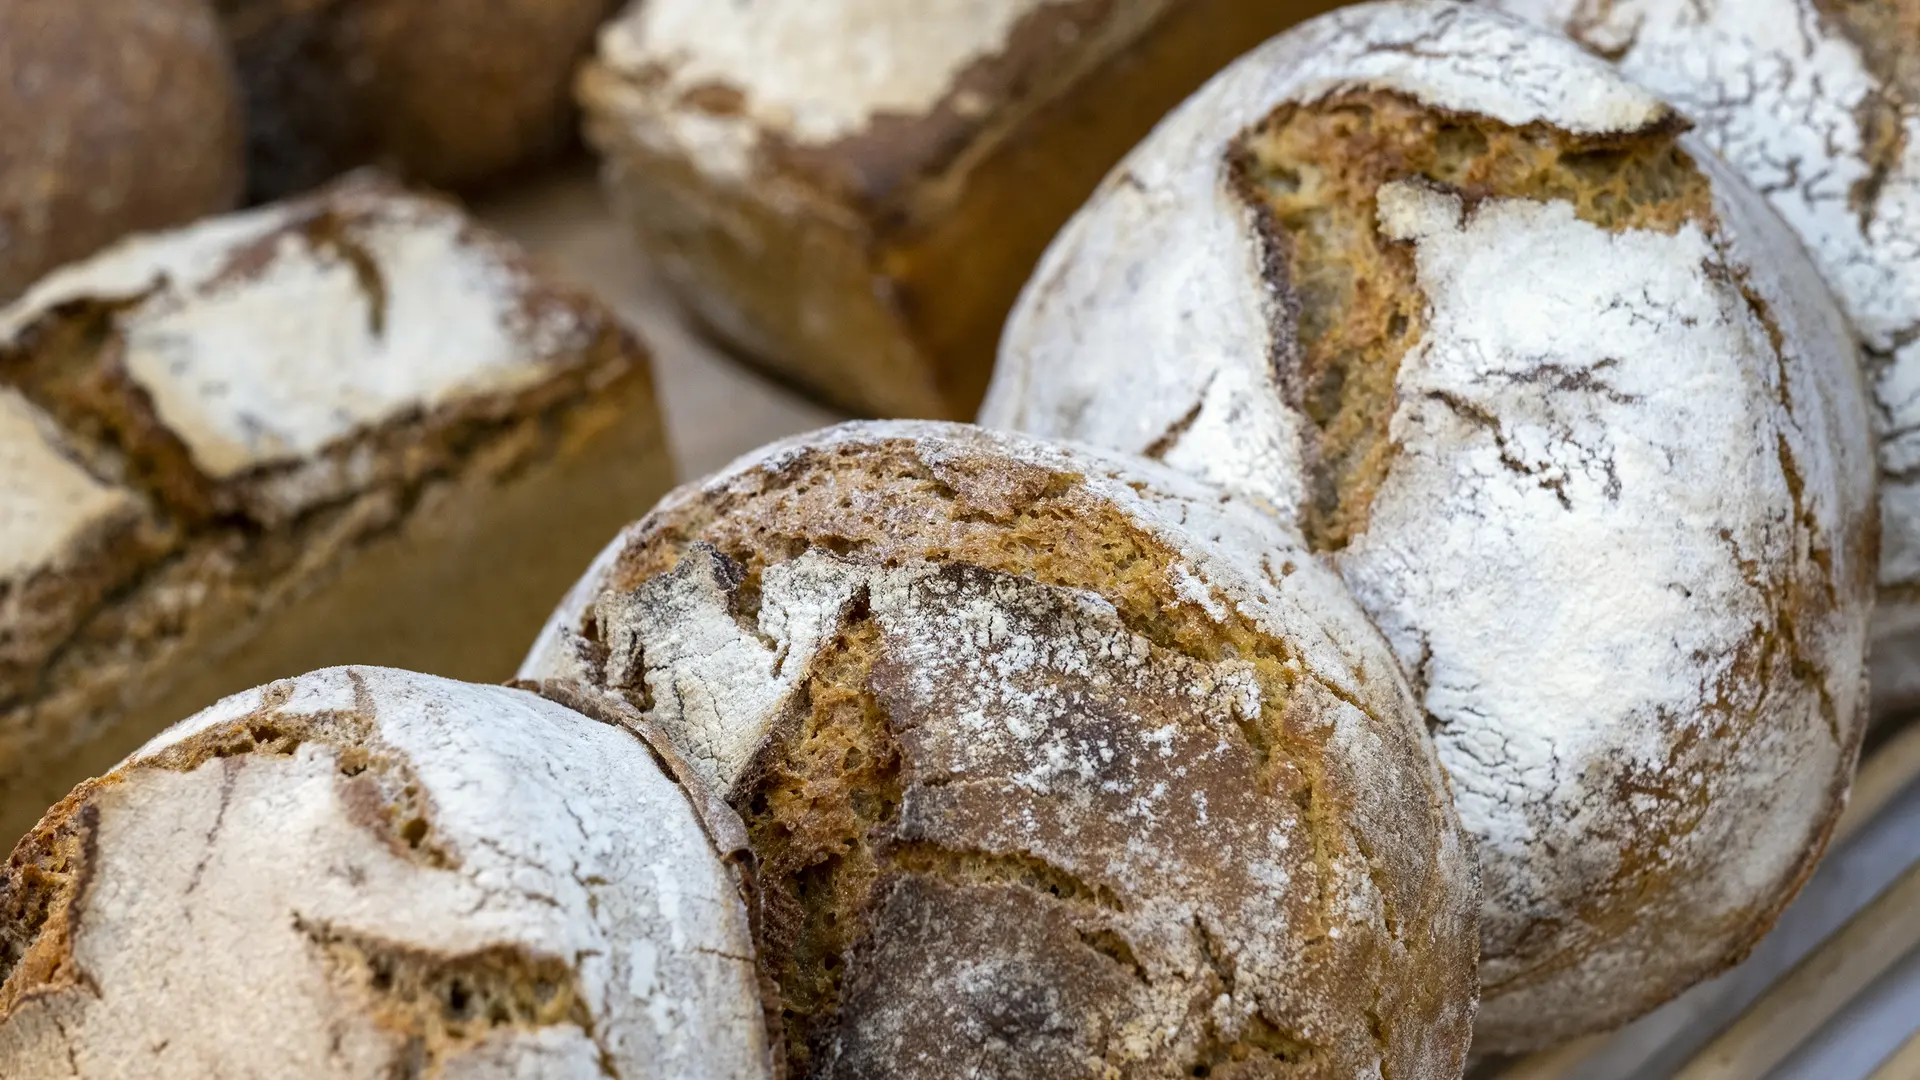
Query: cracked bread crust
453, 93
1057, 764
122, 115
1817, 105
1569, 411
203, 430
364, 872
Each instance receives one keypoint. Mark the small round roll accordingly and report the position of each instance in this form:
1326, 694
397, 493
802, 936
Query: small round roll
364, 872
1053, 764
119, 116
1572, 414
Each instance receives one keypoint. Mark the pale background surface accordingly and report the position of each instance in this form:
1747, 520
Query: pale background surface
716, 410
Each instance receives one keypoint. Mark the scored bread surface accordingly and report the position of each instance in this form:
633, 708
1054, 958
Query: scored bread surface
199, 428
1817, 104
1064, 765
1568, 410
366, 872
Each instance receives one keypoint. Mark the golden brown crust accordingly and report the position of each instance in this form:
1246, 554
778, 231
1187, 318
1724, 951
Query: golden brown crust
918, 230
931, 894
122, 115
447, 93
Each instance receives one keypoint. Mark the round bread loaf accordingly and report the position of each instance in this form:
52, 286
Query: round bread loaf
1570, 412
1817, 104
119, 116
444, 92
1053, 765
365, 872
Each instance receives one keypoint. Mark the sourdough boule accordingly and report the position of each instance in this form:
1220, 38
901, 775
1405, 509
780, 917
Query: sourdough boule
1053, 764
119, 116
1571, 413
365, 872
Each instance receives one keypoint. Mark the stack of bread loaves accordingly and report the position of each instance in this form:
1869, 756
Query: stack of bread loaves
1447, 622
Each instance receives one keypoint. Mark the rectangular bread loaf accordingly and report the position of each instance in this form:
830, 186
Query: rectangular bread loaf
852, 192
354, 427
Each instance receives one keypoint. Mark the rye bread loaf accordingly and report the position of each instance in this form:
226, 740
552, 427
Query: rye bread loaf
363, 872
308, 434
1817, 104
1052, 764
452, 93
119, 116
1571, 413
852, 191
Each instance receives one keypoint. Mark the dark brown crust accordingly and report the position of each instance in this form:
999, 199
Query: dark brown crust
121, 115
452, 92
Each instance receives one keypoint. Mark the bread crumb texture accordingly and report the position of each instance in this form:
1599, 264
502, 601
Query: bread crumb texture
366, 872
1817, 104
1571, 414
1035, 776
204, 419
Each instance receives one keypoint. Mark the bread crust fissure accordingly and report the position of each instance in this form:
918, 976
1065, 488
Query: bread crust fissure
826, 799
45, 878
1312, 173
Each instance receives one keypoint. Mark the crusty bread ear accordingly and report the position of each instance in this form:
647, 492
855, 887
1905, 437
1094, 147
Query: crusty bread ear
367, 872
316, 432
120, 116
1059, 764
1572, 414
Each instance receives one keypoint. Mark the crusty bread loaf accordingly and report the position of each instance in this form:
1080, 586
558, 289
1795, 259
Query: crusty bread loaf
446, 92
307, 434
1817, 104
852, 191
1053, 764
1571, 413
119, 116
362, 872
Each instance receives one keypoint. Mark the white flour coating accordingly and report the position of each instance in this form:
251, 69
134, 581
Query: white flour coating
261, 343
1188, 272
48, 502
229, 910
1098, 754
808, 73
1778, 88
716, 683
1588, 527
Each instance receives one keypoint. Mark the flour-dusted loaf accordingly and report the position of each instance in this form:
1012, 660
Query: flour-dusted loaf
1817, 104
446, 92
852, 191
320, 432
363, 872
1571, 413
1053, 764
118, 116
